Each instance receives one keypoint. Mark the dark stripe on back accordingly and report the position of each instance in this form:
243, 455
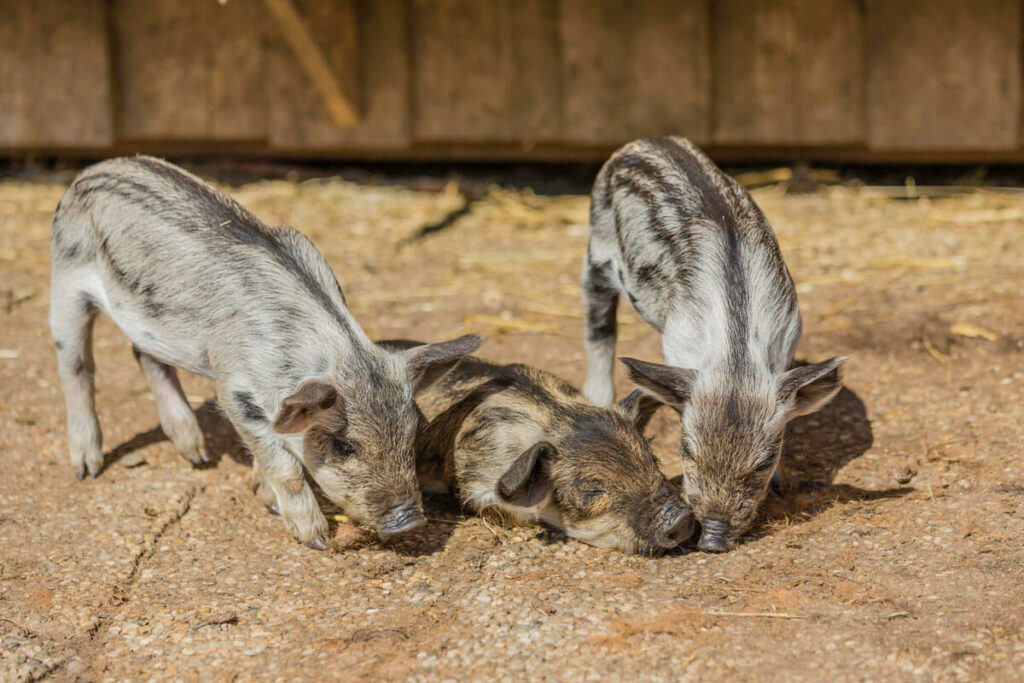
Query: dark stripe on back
225, 221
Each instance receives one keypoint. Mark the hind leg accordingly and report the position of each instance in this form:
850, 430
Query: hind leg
72, 314
600, 302
176, 416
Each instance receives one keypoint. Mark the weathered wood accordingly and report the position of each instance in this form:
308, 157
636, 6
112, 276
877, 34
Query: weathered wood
828, 90
54, 74
298, 117
341, 107
633, 69
191, 69
944, 74
485, 70
788, 72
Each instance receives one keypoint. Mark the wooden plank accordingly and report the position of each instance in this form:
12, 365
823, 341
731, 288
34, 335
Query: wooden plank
340, 106
754, 79
635, 69
376, 32
54, 74
485, 70
828, 86
191, 69
788, 72
944, 74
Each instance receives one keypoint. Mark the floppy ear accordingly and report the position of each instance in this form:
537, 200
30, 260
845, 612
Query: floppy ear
638, 408
809, 387
664, 383
311, 398
526, 484
426, 364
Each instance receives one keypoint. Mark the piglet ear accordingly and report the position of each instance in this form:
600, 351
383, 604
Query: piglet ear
526, 483
425, 364
664, 383
638, 408
311, 398
807, 388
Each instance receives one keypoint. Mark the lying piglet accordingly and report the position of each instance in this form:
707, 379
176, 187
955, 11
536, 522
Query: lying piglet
524, 443
197, 282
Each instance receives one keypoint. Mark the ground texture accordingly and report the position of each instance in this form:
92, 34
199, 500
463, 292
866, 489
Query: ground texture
897, 553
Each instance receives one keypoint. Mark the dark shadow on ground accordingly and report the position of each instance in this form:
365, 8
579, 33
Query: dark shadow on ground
443, 513
221, 439
816, 448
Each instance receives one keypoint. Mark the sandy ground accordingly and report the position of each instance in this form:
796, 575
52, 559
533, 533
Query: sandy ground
897, 554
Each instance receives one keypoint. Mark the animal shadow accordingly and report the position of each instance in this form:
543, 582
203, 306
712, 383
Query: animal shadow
221, 439
816, 448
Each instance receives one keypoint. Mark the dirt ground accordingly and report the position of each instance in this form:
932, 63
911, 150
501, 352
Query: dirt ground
898, 552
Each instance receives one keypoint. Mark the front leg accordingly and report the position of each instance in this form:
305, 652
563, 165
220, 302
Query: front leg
283, 476
278, 475
600, 303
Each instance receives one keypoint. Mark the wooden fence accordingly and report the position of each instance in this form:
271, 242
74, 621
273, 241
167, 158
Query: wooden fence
502, 79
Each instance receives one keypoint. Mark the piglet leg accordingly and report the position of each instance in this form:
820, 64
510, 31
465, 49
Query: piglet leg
176, 416
282, 480
71, 319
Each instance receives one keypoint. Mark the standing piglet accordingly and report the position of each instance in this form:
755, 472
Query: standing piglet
699, 262
196, 281
523, 443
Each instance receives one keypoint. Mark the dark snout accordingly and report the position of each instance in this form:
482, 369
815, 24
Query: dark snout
401, 519
676, 528
714, 536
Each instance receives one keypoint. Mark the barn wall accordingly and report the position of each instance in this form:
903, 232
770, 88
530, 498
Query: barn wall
544, 79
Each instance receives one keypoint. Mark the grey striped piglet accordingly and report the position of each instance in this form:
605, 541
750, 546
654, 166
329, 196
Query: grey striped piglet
699, 262
195, 281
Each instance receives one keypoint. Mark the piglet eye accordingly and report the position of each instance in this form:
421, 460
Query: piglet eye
591, 492
765, 464
343, 447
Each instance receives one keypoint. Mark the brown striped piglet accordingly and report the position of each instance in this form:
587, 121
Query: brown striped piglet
526, 445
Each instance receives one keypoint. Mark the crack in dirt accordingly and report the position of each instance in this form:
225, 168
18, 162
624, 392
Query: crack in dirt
471, 196
119, 593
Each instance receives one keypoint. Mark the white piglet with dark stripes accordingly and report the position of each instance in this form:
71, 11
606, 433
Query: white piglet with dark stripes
195, 281
699, 262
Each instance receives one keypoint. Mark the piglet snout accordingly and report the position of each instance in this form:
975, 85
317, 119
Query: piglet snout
713, 537
401, 519
677, 528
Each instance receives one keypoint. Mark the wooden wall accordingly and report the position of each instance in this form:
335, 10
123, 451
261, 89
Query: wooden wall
501, 79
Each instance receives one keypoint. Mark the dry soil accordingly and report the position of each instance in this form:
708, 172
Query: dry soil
897, 553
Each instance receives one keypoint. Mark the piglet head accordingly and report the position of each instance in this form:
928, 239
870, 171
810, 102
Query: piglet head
358, 432
599, 481
731, 438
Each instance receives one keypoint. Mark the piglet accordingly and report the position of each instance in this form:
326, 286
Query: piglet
197, 282
522, 443
699, 262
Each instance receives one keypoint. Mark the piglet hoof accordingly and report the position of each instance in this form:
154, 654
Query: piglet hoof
317, 544
88, 462
198, 457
